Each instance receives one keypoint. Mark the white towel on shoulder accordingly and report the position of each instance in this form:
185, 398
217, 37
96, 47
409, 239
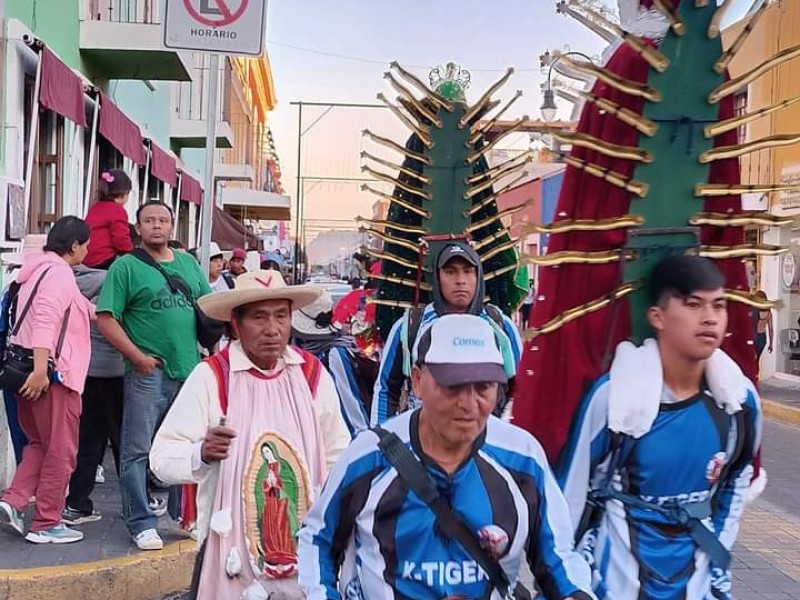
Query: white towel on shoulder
637, 380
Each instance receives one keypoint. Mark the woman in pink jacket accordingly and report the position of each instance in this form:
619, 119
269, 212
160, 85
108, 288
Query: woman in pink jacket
56, 331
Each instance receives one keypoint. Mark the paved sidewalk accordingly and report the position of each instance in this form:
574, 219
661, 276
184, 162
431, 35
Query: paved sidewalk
782, 391
104, 539
105, 565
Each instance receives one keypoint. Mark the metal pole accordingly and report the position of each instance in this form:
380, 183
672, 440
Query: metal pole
32, 141
92, 150
299, 194
178, 204
211, 147
146, 177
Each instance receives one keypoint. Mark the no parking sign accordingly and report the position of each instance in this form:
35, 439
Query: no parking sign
224, 26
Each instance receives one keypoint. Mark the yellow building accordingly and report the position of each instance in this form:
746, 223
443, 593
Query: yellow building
778, 29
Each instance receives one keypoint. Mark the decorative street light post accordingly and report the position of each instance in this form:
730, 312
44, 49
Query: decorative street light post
549, 107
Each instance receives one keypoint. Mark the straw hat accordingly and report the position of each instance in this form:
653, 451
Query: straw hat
255, 286
316, 319
33, 244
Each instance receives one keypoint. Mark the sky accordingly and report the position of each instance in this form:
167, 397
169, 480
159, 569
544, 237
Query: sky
313, 46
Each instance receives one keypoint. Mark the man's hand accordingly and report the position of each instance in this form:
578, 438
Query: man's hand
146, 364
217, 444
35, 385
770, 349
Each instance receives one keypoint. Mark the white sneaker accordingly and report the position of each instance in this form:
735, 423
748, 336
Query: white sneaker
60, 534
11, 517
148, 540
100, 475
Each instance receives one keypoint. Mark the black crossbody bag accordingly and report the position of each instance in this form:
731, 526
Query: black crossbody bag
209, 331
17, 362
413, 473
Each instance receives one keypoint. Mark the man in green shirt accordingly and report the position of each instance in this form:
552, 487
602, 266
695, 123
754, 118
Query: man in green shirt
154, 329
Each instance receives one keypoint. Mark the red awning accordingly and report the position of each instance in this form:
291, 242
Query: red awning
61, 89
190, 189
162, 165
120, 131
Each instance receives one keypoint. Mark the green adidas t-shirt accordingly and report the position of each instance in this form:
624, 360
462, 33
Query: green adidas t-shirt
160, 323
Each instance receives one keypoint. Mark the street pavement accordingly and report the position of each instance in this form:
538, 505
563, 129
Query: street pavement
766, 558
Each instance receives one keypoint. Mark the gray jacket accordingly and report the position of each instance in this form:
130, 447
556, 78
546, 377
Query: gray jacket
105, 361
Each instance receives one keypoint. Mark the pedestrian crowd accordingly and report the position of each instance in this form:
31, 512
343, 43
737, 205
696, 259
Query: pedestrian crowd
304, 468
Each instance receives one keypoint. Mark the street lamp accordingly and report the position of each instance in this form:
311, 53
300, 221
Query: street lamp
549, 107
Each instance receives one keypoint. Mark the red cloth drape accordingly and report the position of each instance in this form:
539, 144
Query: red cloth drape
557, 369
163, 166
120, 131
61, 89
191, 191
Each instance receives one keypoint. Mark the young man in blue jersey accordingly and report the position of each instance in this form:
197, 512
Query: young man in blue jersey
660, 459
370, 535
458, 288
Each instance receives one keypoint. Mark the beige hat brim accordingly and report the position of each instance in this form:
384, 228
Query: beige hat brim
220, 305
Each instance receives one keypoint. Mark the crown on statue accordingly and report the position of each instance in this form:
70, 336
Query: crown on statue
450, 81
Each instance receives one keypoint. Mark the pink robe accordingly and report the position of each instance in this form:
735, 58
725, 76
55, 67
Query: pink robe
281, 403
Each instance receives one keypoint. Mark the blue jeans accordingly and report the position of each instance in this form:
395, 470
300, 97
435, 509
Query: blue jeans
147, 400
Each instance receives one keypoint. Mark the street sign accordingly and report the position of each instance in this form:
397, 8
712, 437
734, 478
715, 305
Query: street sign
223, 26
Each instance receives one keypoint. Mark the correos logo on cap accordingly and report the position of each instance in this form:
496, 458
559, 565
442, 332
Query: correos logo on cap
473, 342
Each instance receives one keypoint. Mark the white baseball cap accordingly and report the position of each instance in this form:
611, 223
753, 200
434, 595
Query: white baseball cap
459, 349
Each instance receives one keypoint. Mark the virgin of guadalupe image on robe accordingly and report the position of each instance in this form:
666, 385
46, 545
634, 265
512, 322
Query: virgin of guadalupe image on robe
277, 498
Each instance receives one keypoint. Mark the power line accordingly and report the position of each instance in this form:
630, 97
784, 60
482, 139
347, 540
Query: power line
385, 63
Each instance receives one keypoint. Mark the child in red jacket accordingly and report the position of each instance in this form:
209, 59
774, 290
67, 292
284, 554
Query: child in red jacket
108, 220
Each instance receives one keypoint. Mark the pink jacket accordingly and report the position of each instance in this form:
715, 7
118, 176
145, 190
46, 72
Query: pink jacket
42, 325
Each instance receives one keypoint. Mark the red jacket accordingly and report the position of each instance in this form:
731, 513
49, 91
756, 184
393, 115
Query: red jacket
111, 235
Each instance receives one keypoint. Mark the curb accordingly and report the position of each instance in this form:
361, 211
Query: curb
142, 576
780, 412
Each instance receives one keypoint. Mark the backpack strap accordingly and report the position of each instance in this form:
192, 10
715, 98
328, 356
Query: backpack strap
412, 472
27, 307
312, 370
495, 313
221, 366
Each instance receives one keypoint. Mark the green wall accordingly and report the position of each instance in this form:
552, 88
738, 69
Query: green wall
53, 21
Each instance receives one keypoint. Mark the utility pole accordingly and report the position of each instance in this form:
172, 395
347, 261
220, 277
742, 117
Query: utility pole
207, 208
299, 196
299, 231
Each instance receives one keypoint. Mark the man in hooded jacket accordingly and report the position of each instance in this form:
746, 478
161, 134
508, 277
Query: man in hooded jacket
458, 287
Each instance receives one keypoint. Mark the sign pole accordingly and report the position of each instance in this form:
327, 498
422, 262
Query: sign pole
207, 208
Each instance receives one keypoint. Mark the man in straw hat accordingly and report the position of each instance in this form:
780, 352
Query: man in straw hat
257, 427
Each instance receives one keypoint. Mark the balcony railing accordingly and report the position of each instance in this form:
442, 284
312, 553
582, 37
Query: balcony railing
191, 98
146, 12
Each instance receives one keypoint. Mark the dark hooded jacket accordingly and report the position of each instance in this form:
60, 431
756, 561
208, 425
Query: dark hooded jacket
392, 376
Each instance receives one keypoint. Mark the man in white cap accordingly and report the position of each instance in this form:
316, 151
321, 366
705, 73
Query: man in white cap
446, 501
257, 427
218, 278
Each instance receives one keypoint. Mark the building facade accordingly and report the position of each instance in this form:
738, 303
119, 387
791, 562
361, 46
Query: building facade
87, 87
778, 29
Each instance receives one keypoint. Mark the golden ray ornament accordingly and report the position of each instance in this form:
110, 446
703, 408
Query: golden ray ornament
612, 177
387, 143
575, 313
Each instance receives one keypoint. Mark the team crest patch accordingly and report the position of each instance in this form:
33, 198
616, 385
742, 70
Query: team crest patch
494, 540
276, 500
714, 468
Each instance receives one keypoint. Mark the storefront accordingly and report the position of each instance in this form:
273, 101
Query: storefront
780, 279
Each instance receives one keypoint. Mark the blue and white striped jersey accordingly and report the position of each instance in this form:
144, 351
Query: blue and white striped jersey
369, 537
637, 552
354, 411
